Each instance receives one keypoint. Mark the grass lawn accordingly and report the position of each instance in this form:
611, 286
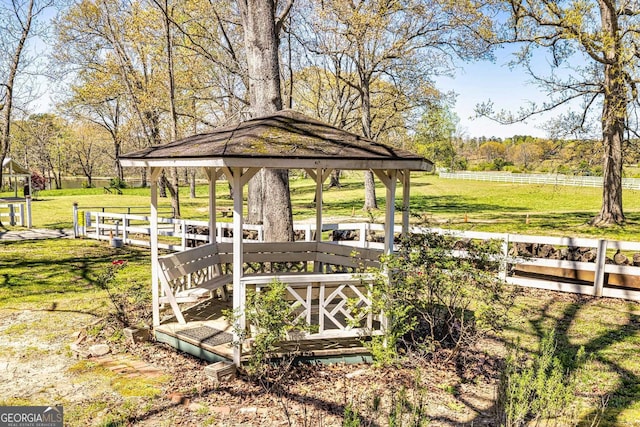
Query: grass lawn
48, 290
469, 205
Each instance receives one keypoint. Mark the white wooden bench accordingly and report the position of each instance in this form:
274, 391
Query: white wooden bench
193, 274
196, 273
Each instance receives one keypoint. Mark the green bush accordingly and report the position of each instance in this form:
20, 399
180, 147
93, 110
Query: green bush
540, 389
117, 183
270, 318
436, 299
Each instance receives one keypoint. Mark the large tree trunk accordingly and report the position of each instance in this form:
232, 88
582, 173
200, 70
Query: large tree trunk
192, 183
174, 187
254, 199
334, 180
370, 201
261, 43
613, 123
118, 166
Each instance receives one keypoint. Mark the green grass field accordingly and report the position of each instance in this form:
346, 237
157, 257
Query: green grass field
56, 279
468, 205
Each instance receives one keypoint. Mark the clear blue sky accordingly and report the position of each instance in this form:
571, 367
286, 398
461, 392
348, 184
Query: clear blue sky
509, 89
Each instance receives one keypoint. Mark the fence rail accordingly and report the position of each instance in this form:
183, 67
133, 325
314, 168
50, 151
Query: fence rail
17, 211
602, 275
549, 179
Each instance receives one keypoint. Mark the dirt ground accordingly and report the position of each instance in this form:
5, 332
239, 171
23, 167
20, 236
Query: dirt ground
153, 385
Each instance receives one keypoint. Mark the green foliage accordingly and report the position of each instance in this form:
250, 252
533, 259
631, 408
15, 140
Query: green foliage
437, 299
351, 417
408, 410
405, 405
435, 134
539, 390
270, 318
118, 183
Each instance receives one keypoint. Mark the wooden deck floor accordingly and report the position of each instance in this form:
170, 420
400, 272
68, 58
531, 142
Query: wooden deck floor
208, 317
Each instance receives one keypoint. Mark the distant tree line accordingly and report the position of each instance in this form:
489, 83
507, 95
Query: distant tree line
521, 154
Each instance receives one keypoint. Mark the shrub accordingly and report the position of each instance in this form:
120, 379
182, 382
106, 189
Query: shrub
117, 183
270, 318
435, 298
540, 389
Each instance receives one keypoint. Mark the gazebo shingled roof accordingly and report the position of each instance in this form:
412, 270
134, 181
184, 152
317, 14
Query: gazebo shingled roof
286, 139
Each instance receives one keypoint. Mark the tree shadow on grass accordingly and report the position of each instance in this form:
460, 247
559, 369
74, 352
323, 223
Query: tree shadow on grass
314, 409
26, 273
598, 348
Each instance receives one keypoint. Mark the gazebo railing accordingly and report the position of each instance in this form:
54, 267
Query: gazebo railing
327, 279
335, 305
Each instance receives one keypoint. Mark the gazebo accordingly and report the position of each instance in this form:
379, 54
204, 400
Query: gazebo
323, 278
13, 170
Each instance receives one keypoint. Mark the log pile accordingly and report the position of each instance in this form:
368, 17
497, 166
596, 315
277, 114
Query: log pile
569, 253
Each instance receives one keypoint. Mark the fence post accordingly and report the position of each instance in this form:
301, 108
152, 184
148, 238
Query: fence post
12, 214
97, 226
598, 283
29, 223
505, 254
125, 226
87, 223
183, 229
76, 226
22, 218
363, 234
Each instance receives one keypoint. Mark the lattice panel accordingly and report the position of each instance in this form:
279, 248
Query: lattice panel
179, 284
333, 268
339, 307
255, 267
289, 267
302, 298
198, 277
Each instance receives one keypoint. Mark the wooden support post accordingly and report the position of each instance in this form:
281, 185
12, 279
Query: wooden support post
317, 266
599, 275
406, 188
154, 173
389, 220
125, 227
183, 232
238, 259
21, 213
211, 175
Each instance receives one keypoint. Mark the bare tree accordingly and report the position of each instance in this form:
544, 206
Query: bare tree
16, 28
261, 34
399, 45
593, 48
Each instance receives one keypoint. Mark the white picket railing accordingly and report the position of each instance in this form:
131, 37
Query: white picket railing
599, 278
18, 212
548, 179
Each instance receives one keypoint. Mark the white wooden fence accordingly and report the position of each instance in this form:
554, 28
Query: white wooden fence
549, 179
601, 277
17, 212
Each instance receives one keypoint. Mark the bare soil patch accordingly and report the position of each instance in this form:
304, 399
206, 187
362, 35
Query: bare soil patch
37, 367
